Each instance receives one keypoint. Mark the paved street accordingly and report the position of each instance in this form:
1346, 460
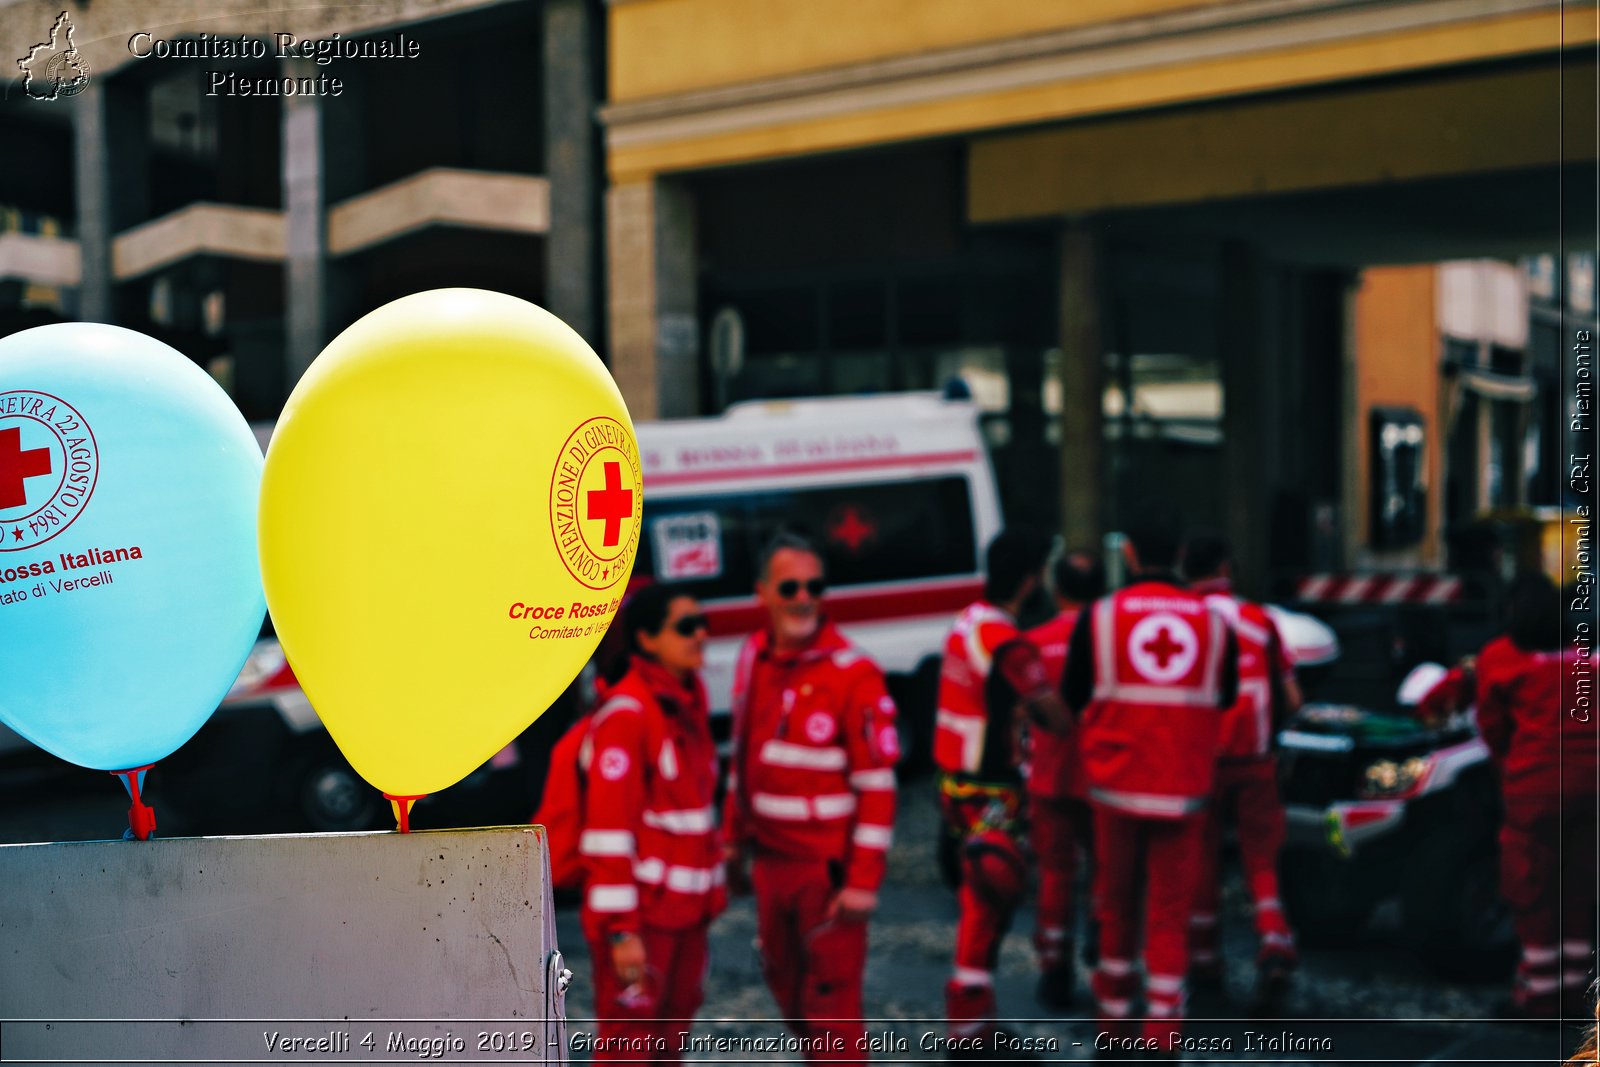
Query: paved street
1340, 992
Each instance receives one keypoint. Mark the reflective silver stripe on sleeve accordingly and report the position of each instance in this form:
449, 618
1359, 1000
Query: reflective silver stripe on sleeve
874, 837
690, 880
881, 778
613, 898
606, 843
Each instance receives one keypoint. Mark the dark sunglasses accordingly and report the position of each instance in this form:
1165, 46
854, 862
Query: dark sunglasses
690, 625
790, 588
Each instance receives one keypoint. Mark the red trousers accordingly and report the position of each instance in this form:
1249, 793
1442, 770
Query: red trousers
1154, 861
1246, 795
813, 965
1547, 876
641, 1023
1060, 828
988, 819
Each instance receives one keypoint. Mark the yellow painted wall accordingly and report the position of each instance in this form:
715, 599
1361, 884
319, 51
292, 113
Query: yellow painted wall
673, 46
1397, 364
1130, 91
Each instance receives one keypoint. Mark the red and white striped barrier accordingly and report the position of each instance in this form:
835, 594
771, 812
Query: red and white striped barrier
1378, 589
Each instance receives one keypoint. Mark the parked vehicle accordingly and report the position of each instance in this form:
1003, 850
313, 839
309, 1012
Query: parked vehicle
1382, 807
897, 492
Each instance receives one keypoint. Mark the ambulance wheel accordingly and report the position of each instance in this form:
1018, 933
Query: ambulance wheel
332, 797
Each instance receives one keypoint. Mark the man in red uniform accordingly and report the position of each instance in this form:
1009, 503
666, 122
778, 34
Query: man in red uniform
1058, 811
1149, 670
1246, 790
991, 678
1536, 713
812, 798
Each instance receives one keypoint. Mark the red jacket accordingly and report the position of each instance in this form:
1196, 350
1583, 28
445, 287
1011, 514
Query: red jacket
1151, 666
1055, 768
989, 669
814, 750
1536, 713
1250, 725
649, 844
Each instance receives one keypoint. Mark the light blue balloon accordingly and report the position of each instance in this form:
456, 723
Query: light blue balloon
130, 594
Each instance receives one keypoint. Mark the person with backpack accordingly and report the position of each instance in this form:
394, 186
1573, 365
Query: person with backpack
990, 681
647, 843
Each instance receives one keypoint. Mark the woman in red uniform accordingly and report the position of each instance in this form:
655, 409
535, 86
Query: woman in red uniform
650, 846
1536, 713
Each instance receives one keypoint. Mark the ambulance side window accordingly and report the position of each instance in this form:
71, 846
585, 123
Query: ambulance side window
705, 543
882, 532
876, 532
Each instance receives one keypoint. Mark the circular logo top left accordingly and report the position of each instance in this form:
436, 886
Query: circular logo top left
49, 463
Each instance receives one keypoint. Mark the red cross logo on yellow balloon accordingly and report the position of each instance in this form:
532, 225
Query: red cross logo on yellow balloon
596, 495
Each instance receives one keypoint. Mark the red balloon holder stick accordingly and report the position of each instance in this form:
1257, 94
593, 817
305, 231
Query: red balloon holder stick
402, 810
141, 816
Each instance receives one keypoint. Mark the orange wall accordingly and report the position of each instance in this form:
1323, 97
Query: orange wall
1397, 364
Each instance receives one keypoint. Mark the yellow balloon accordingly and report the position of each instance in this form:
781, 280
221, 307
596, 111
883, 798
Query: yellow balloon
449, 513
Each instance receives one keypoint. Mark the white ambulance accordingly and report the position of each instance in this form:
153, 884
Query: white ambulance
897, 491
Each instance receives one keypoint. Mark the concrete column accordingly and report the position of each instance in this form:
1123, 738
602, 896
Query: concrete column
111, 147
1082, 388
653, 323
677, 294
322, 165
571, 274
305, 209
1249, 463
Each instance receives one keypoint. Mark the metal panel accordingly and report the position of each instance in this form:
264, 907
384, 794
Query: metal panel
447, 927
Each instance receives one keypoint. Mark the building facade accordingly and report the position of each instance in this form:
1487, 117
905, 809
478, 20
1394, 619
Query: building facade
1136, 229
245, 184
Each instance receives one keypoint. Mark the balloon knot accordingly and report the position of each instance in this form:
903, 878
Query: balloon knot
402, 810
141, 817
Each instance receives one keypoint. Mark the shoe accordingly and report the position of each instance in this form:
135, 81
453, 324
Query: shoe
1056, 985
1274, 972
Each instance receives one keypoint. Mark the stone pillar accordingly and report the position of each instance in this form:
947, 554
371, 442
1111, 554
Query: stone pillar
322, 164
1082, 389
111, 147
570, 151
305, 217
654, 328
1249, 461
